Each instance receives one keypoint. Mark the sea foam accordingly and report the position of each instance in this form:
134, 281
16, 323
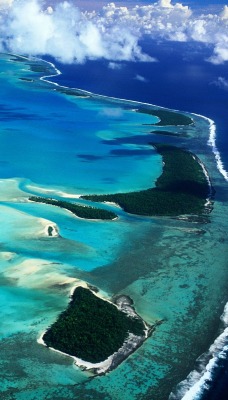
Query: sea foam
212, 143
199, 380
212, 126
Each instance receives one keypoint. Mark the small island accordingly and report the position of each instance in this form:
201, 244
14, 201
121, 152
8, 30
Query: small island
35, 66
71, 92
183, 188
167, 133
39, 67
80, 211
26, 79
93, 330
167, 118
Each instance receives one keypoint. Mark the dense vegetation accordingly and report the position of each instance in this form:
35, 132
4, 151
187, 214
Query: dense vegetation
27, 79
40, 68
91, 329
70, 92
167, 133
181, 189
18, 58
167, 117
81, 211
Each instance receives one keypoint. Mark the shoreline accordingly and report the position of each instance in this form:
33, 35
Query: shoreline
50, 228
211, 139
171, 195
130, 345
212, 143
80, 211
57, 192
212, 126
211, 190
196, 381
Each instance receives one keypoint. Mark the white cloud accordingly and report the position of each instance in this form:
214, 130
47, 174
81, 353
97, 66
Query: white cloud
224, 14
113, 33
114, 65
221, 82
4, 4
140, 78
49, 10
65, 33
165, 20
220, 54
165, 3
111, 112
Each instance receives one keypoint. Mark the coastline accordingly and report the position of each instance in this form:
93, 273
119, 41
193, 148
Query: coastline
198, 380
212, 143
212, 126
130, 345
50, 228
183, 188
57, 192
213, 133
80, 211
211, 190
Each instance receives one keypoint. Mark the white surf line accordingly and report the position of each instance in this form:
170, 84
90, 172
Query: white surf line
216, 351
208, 200
42, 78
212, 143
83, 91
212, 137
58, 72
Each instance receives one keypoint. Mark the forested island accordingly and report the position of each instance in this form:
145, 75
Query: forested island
86, 212
167, 117
70, 92
167, 133
93, 329
182, 188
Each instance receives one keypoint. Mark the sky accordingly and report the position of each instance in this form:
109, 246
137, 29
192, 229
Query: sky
73, 34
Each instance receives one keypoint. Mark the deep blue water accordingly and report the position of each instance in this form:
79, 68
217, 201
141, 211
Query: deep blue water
181, 79
218, 387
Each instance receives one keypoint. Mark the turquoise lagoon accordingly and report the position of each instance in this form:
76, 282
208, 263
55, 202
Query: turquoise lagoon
175, 270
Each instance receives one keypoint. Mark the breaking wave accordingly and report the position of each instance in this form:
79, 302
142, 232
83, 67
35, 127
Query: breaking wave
200, 381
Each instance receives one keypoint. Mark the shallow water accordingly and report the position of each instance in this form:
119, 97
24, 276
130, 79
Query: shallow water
174, 270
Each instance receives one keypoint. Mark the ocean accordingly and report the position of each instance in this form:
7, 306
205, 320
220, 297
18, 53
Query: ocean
57, 145
182, 79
